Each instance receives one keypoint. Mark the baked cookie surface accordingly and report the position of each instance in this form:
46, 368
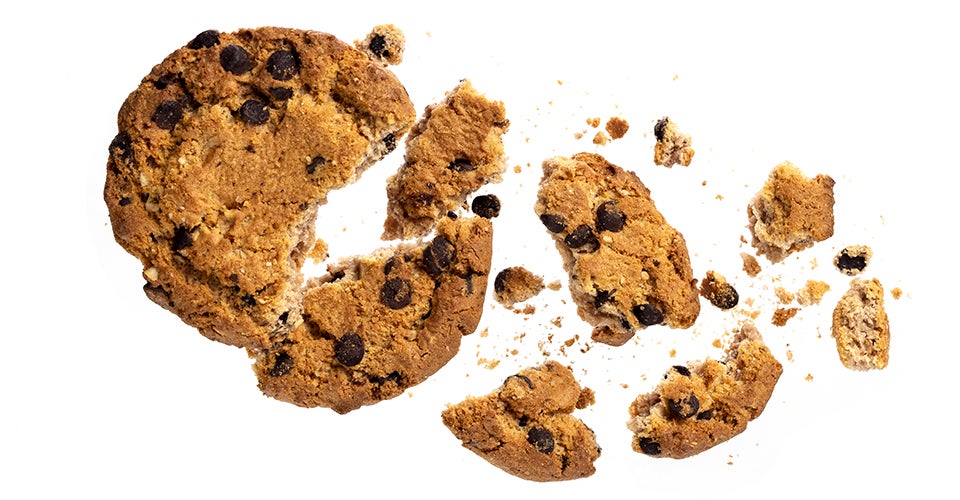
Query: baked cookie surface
703, 404
628, 267
526, 426
379, 324
861, 327
224, 153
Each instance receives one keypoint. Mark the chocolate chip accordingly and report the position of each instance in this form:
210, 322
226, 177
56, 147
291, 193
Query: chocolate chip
523, 421
378, 45
390, 142
724, 297
168, 114
582, 239
163, 81
282, 364
554, 223
461, 165
851, 264
660, 127
283, 317
684, 408
124, 201
705, 415
393, 376
602, 297
500, 282
610, 218
281, 93
396, 293
682, 370
348, 349
486, 206
283, 65
438, 255
254, 112
648, 314
235, 59
181, 238
248, 299
315, 163
524, 378
122, 145
649, 446
541, 439
205, 40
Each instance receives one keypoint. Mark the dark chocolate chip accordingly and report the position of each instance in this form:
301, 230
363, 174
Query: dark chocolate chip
163, 81
281, 93
682, 370
235, 59
523, 421
648, 314
205, 40
684, 408
724, 297
582, 239
315, 163
122, 145
181, 238
649, 446
452, 215
396, 293
393, 376
705, 415
541, 439
124, 201
282, 364
234, 278
283, 65
348, 349
660, 127
847, 262
378, 45
602, 297
554, 223
168, 114
486, 206
500, 282
438, 255
461, 165
390, 142
248, 299
254, 112
524, 378
610, 218
283, 317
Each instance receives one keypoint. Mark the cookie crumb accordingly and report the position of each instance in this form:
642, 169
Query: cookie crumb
384, 44
750, 264
896, 293
853, 259
617, 127
319, 252
782, 315
784, 296
555, 285
672, 146
812, 292
715, 288
789, 355
557, 322
593, 122
809, 377
516, 284
601, 138
860, 326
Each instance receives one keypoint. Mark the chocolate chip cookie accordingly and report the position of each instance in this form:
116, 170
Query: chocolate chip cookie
224, 153
629, 269
703, 404
526, 426
861, 328
378, 324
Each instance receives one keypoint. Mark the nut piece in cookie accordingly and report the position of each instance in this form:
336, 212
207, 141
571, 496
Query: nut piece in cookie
526, 426
379, 324
672, 147
853, 259
224, 154
516, 284
861, 328
629, 269
703, 404
384, 44
453, 150
791, 212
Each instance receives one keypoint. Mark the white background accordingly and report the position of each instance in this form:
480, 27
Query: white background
106, 395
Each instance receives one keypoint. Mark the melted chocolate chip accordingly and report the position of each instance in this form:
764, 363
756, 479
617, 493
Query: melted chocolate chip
378, 45
649, 446
602, 297
168, 114
396, 293
315, 163
684, 408
349, 349
282, 364
461, 165
390, 142
254, 112
648, 314
705, 415
582, 239
524, 378
122, 145
541, 439
283, 65
205, 40
281, 93
554, 223
660, 127
682, 370
486, 206
610, 218
181, 238
438, 255
235, 59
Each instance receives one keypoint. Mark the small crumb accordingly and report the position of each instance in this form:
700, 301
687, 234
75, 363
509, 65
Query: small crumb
557, 322
569, 342
896, 293
517, 169
578, 135
554, 285
812, 292
593, 122
675, 76
617, 127
853, 259
717, 343
782, 315
489, 364
483, 333
783, 295
789, 355
673, 353
750, 264
319, 251
809, 378
625, 385
719, 197
516, 284
559, 82
529, 309
601, 138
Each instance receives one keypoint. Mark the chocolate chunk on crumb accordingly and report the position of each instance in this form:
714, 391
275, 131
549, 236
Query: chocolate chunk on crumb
384, 44
672, 146
486, 206
516, 284
718, 291
853, 259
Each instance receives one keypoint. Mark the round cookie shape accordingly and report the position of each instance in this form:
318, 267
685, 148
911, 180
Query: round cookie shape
223, 155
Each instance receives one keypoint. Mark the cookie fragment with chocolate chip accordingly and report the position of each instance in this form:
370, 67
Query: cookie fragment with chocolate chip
526, 427
629, 269
385, 44
378, 324
852, 260
672, 146
861, 327
718, 291
516, 284
700, 405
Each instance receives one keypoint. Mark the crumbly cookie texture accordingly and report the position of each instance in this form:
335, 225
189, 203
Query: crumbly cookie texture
812, 292
516, 284
703, 404
453, 150
224, 153
861, 328
716, 289
791, 212
853, 259
750, 264
672, 146
379, 324
526, 426
629, 269
385, 44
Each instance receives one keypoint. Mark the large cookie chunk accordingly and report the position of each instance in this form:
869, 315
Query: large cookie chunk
379, 324
453, 150
526, 426
223, 155
861, 328
705, 403
628, 267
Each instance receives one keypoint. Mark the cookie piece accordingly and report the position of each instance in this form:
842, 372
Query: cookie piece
453, 150
672, 147
791, 212
861, 328
812, 292
750, 264
224, 153
853, 259
526, 427
486, 206
703, 404
385, 44
629, 269
378, 324
718, 291
516, 284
